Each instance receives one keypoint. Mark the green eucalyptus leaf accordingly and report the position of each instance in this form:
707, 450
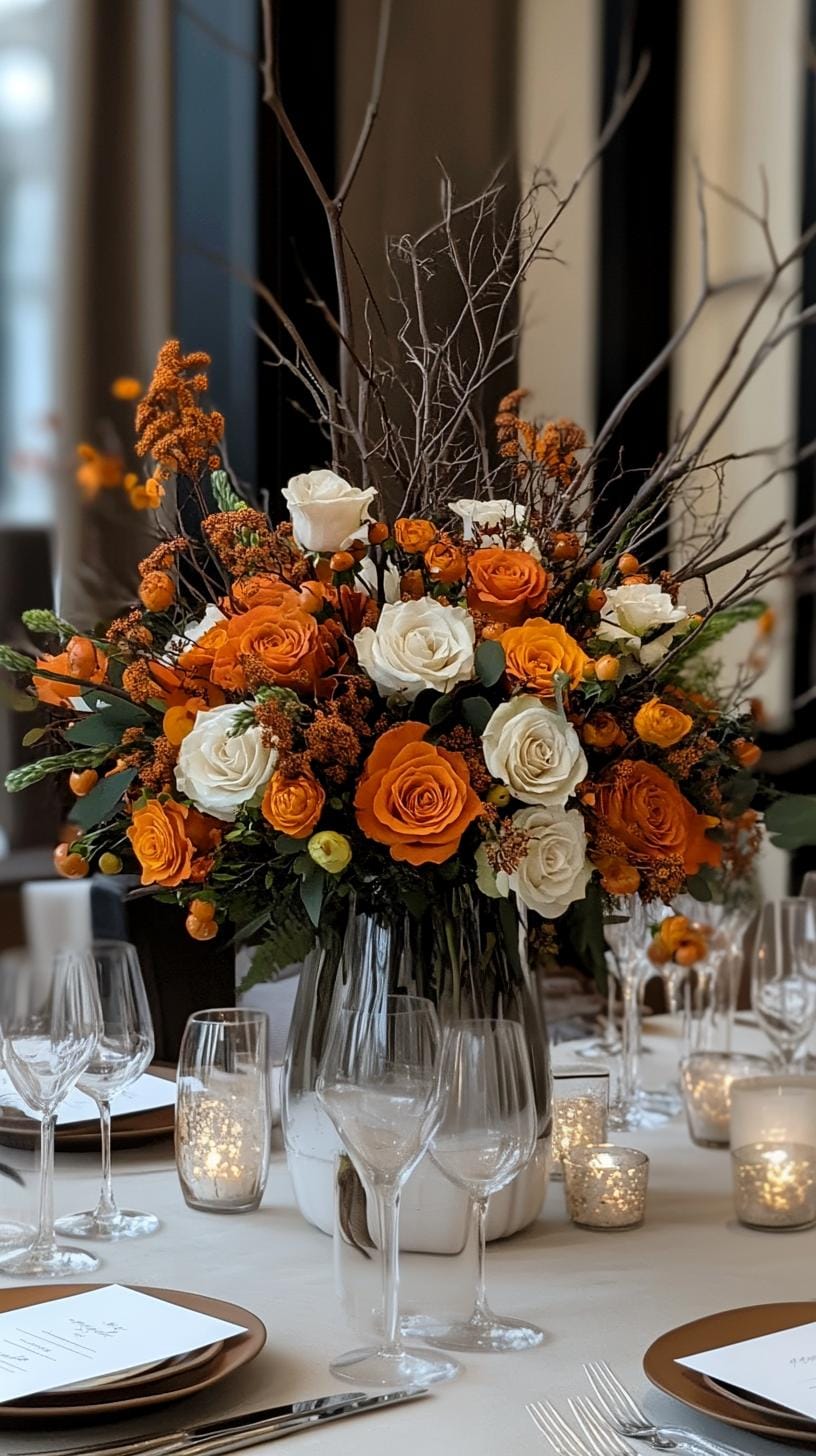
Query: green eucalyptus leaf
477, 713
95, 731
489, 662
791, 821
34, 735
103, 800
311, 893
440, 710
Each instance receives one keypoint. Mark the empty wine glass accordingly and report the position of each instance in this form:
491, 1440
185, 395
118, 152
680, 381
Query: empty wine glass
50, 1020
486, 1135
784, 996
377, 1082
123, 1052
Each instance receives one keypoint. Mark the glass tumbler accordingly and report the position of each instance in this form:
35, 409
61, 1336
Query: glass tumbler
223, 1123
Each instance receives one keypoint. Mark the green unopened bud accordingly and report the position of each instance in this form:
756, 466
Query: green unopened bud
48, 624
33, 773
16, 661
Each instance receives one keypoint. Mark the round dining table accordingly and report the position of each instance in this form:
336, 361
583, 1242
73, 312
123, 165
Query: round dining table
597, 1295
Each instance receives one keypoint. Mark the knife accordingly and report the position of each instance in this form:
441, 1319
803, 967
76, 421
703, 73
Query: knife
214, 1437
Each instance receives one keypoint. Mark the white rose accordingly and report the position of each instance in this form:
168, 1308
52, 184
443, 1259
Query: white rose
491, 513
534, 750
418, 645
554, 872
220, 773
326, 512
633, 612
193, 632
391, 579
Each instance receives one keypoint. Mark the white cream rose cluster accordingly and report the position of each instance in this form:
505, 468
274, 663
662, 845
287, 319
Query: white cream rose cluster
220, 772
534, 750
553, 872
487, 515
327, 513
631, 613
417, 645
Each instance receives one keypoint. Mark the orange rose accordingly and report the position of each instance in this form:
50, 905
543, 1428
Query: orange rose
444, 562
506, 585
283, 646
672, 931
415, 797
261, 591
414, 536
180, 720
159, 840
204, 832
643, 808
79, 660
537, 650
602, 731
293, 805
661, 724
618, 877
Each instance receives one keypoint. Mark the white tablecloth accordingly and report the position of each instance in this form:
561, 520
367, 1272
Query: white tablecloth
598, 1295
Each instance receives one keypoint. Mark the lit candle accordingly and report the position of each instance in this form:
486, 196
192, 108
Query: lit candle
580, 1110
220, 1150
606, 1186
775, 1185
706, 1079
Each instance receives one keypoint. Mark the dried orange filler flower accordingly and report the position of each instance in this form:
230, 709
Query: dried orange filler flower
171, 424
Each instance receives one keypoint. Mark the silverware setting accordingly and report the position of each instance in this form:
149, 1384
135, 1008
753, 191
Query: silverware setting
607, 1425
212, 1438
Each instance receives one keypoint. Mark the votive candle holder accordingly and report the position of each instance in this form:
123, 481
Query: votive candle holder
775, 1185
580, 1110
606, 1186
777, 1108
706, 1079
223, 1124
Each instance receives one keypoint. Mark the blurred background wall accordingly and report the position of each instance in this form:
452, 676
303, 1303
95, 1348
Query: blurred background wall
143, 186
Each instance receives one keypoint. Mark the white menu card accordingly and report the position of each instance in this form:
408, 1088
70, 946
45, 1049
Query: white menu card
143, 1095
780, 1367
86, 1336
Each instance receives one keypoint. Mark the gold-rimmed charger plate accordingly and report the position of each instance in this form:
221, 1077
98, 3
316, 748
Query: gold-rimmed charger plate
766, 1409
142, 1375
52, 1408
727, 1328
128, 1129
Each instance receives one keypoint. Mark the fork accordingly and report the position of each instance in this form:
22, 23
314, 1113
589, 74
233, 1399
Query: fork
626, 1417
562, 1438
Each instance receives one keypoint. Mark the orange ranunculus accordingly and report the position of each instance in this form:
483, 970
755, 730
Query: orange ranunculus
536, 650
261, 591
644, 809
617, 876
79, 660
204, 832
412, 586
444, 562
414, 536
158, 836
415, 797
661, 724
293, 804
157, 591
506, 585
285, 645
180, 720
126, 387
602, 730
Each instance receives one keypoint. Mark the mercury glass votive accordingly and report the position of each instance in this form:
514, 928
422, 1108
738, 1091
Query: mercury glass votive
223, 1124
778, 1108
706, 1079
775, 1185
606, 1186
580, 1110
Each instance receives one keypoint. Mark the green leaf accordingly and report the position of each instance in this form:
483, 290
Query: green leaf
288, 943
717, 626
509, 922
245, 932
791, 821
699, 888
225, 497
95, 731
584, 925
440, 710
489, 662
312, 887
477, 713
285, 844
741, 793
34, 735
101, 802
116, 710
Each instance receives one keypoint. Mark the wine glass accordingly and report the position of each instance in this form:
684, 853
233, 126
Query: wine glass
50, 1019
783, 994
377, 1082
628, 938
124, 1050
486, 1135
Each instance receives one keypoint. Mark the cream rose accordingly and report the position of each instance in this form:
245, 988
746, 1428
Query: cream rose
554, 871
326, 512
418, 645
633, 612
491, 513
221, 773
193, 632
367, 574
534, 751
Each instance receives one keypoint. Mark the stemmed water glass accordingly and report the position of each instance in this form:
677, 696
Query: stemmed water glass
50, 1020
628, 939
782, 991
124, 1050
486, 1135
377, 1082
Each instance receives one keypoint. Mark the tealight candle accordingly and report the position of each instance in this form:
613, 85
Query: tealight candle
606, 1186
580, 1110
774, 1109
775, 1185
706, 1079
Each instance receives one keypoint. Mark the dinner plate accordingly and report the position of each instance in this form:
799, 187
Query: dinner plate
128, 1129
148, 1374
726, 1328
53, 1408
766, 1408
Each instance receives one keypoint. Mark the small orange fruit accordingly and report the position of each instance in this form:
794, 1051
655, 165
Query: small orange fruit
341, 561
202, 909
595, 570
607, 668
157, 591
689, 951
201, 929
81, 783
378, 532
746, 753
595, 599
70, 866
565, 546
628, 564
